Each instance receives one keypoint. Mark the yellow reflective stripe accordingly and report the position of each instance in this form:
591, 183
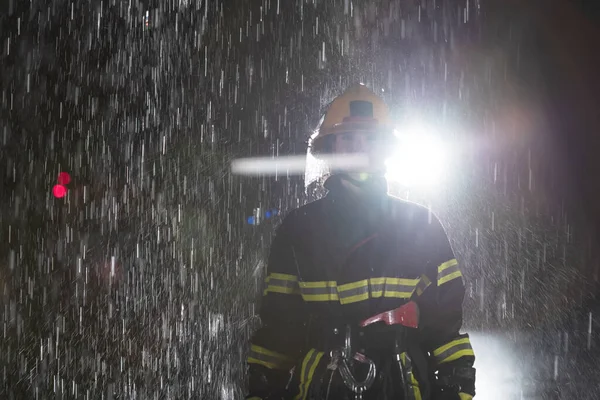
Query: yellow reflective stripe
402, 281
252, 360
448, 278
355, 298
254, 398
267, 352
458, 354
281, 283
358, 291
268, 358
309, 364
389, 287
378, 281
318, 284
354, 285
447, 264
354, 291
398, 295
415, 393
449, 345
319, 291
448, 271
311, 373
465, 396
423, 284
283, 277
392, 287
453, 351
301, 394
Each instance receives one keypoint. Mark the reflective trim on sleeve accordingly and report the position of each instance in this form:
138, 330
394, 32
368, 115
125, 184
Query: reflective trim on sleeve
353, 292
448, 271
269, 358
454, 350
465, 396
309, 364
358, 291
319, 291
281, 283
414, 391
393, 287
423, 284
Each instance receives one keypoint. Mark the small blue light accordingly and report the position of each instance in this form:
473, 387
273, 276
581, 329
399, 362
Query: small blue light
251, 220
268, 214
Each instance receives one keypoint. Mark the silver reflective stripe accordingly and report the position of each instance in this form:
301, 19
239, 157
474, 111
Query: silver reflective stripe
392, 287
358, 291
282, 283
377, 288
448, 271
353, 292
397, 287
319, 291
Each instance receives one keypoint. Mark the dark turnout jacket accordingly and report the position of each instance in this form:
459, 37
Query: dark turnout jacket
339, 260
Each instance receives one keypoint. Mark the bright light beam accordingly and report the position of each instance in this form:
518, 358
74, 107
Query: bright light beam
294, 165
420, 159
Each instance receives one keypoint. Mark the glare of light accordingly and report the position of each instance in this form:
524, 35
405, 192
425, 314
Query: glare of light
420, 159
505, 368
59, 191
294, 165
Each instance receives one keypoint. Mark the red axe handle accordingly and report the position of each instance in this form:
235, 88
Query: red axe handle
406, 315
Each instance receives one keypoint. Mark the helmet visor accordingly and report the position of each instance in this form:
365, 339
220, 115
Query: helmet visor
349, 151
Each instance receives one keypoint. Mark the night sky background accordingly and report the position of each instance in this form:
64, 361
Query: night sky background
143, 282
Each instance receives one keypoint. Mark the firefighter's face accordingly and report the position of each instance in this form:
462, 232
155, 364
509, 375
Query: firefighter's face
373, 144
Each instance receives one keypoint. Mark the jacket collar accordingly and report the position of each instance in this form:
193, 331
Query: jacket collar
370, 199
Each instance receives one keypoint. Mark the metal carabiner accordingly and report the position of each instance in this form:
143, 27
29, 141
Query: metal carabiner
358, 387
340, 360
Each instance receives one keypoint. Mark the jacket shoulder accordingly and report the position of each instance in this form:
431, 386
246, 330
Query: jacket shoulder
303, 214
408, 211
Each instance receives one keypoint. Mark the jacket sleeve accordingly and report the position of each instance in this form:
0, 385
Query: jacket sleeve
278, 344
441, 309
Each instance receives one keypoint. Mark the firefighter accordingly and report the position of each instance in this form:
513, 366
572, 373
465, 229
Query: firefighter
353, 254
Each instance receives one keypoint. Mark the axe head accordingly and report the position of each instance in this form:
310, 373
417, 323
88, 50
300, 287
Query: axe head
406, 315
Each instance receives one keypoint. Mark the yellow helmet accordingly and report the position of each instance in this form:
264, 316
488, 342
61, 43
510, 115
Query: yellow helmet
358, 109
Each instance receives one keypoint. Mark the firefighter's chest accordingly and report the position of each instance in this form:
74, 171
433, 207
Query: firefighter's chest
358, 268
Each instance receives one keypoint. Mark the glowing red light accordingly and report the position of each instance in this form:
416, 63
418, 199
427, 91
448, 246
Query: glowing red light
59, 191
64, 178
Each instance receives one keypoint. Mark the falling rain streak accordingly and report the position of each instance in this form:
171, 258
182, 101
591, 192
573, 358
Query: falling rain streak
138, 278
